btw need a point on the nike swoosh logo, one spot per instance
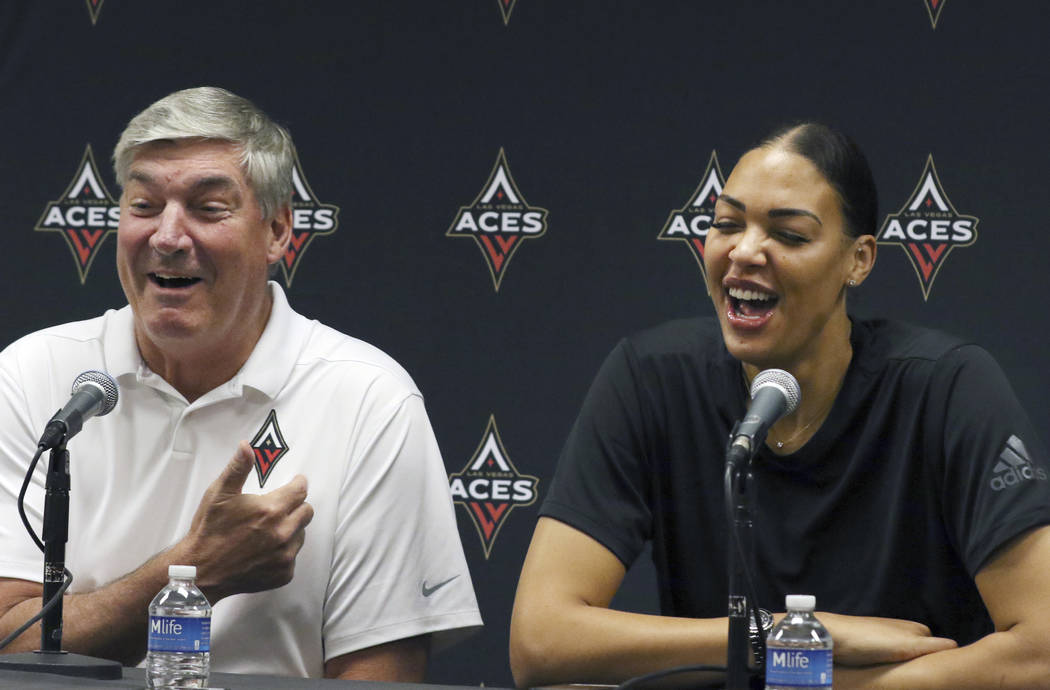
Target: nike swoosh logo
(427, 591)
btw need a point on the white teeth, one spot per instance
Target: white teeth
(171, 276)
(750, 295)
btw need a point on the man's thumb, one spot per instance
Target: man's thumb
(233, 476)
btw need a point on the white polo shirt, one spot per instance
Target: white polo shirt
(382, 559)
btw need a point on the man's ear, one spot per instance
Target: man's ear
(280, 234)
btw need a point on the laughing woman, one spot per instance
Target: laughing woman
(877, 494)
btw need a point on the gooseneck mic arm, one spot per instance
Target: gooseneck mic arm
(740, 548)
(55, 535)
(774, 393)
(94, 394)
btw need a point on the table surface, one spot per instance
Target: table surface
(136, 678)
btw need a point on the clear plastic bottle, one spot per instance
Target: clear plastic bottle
(799, 649)
(179, 650)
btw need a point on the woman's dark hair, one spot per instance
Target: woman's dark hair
(843, 165)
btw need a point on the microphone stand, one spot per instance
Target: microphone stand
(50, 658)
(738, 478)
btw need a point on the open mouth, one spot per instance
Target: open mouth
(168, 280)
(751, 304)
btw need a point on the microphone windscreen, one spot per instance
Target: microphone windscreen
(782, 380)
(103, 381)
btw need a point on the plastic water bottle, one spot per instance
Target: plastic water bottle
(799, 649)
(178, 654)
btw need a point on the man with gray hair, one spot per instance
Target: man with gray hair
(339, 555)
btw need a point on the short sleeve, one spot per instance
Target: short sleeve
(996, 481)
(601, 485)
(19, 556)
(398, 567)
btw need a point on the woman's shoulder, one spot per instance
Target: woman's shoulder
(888, 339)
(697, 336)
(881, 345)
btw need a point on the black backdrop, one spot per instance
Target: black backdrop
(608, 113)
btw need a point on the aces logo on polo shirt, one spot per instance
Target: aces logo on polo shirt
(490, 487)
(928, 228)
(691, 223)
(85, 215)
(269, 447)
(499, 220)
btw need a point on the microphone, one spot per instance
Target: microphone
(774, 393)
(94, 394)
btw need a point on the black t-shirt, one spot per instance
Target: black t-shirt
(925, 465)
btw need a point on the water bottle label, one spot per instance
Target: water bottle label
(804, 668)
(170, 634)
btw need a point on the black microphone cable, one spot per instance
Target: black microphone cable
(745, 567)
(57, 597)
(736, 543)
(788, 386)
(637, 681)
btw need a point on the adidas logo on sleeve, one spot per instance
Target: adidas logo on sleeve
(1015, 466)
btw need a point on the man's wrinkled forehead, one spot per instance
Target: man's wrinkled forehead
(204, 164)
(199, 147)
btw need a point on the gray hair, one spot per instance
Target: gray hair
(208, 112)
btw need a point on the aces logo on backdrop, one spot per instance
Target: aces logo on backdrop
(928, 228)
(934, 8)
(691, 223)
(94, 7)
(489, 487)
(85, 215)
(499, 220)
(310, 219)
(505, 8)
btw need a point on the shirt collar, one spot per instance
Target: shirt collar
(267, 369)
(274, 356)
(118, 341)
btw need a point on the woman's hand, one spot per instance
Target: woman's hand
(865, 641)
